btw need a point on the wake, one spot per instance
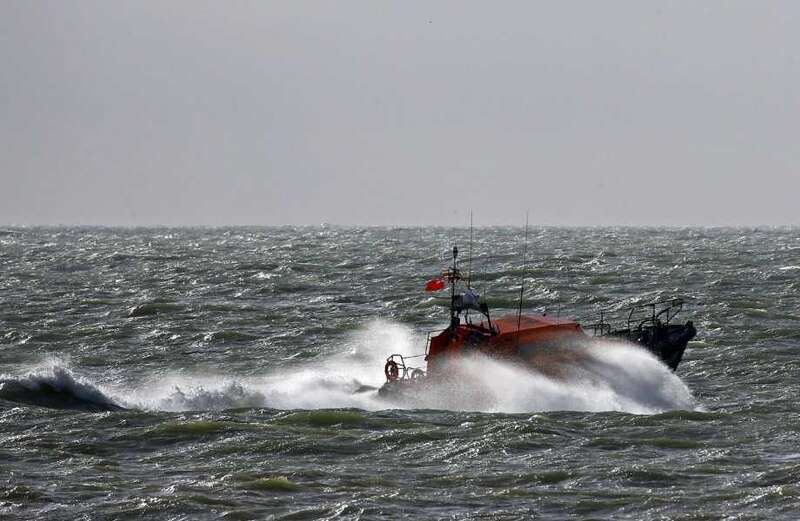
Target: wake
(606, 377)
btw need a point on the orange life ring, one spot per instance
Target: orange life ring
(391, 370)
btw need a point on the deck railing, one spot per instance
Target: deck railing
(639, 316)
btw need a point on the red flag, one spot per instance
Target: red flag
(434, 285)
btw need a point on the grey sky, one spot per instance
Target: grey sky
(586, 113)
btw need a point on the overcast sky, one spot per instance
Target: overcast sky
(266, 113)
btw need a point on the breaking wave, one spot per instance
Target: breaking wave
(606, 377)
(55, 387)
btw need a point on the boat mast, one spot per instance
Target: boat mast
(454, 277)
(469, 261)
(522, 283)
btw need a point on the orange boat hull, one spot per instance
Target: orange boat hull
(527, 338)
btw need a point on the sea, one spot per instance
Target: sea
(231, 373)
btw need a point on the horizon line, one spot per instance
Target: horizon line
(4, 227)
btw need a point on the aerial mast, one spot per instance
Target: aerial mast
(522, 283)
(469, 262)
(454, 276)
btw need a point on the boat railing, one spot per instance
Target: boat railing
(639, 316)
(601, 328)
(406, 371)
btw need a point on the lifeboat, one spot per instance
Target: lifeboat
(528, 340)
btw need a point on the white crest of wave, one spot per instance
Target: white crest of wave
(53, 384)
(611, 377)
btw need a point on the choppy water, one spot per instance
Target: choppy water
(237, 351)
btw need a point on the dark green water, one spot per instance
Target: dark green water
(237, 352)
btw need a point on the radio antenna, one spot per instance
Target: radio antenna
(522, 282)
(469, 260)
